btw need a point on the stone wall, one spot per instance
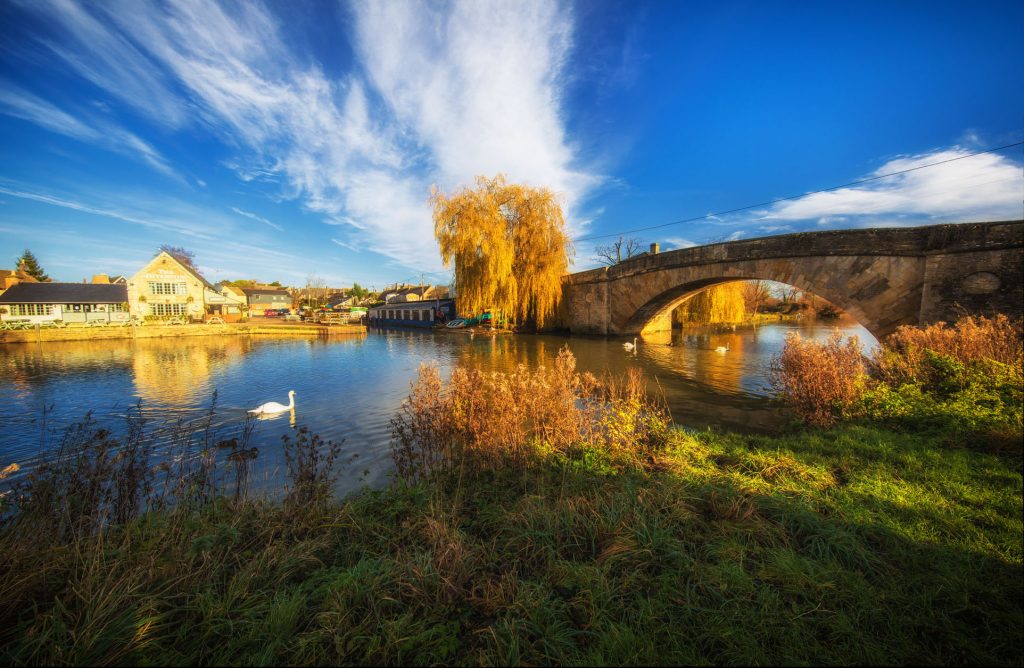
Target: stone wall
(883, 277)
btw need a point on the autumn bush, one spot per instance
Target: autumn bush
(820, 381)
(909, 353)
(484, 420)
(965, 380)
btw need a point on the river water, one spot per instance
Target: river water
(348, 388)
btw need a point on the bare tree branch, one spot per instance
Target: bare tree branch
(617, 251)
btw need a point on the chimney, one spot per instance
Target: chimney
(101, 279)
(654, 248)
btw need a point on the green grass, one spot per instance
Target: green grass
(850, 546)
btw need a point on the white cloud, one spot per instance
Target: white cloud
(345, 245)
(24, 105)
(108, 58)
(211, 234)
(974, 188)
(678, 242)
(261, 219)
(440, 94)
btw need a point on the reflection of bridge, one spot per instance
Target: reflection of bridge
(883, 277)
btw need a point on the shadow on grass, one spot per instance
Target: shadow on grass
(729, 550)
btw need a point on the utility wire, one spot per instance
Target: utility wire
(793, 197)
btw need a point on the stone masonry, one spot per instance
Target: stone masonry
(883, 277)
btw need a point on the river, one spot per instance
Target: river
(348, 388)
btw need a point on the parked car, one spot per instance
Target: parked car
(270, 313)
(284, 311)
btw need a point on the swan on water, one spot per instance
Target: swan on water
(722, 349)
(630, 346)
(274, 407)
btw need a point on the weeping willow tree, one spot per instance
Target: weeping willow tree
(508, 245)
(719, 304)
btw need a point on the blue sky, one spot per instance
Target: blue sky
(287, 139)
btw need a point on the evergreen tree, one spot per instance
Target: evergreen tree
(30, 264)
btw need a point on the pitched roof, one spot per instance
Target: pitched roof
(190, 270)
(65, 293)
(265, 291)
(17, 273)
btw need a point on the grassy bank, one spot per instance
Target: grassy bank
(548, 516)
(858, 545)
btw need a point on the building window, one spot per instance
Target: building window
(168, 288)
(31, 309)
(167, 309)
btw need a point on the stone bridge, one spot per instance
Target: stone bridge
(882, 277)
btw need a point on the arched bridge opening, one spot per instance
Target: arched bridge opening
(656, 314)
(883, 278)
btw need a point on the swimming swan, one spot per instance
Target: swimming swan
(722, 349)
(274, 407)
(629, 346)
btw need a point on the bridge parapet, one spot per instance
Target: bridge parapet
(884, 277)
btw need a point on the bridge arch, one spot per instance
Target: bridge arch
(850, 295)
(882, 277)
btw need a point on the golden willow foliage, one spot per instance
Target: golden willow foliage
(509, 247)
(719, 304)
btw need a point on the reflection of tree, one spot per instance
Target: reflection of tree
(723, 303)
(175, 371)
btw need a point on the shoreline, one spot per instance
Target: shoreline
(150, 331)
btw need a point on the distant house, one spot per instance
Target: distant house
(418, 294)
(103, 279)
(261, 299)
(64, 302)
(341, 299)
(232, 291)
(392, 293)
(9, 277)
(166, 287)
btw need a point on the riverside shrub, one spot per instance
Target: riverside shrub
(966, 380)
(820, 381)
(481, 420)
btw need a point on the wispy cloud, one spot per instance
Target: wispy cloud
(440, 94)
(213, 235)
(260, 219)
(345, 245)
(29, 107)
(678, 242)
(81, 36)
(978, 187)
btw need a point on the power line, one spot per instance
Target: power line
(793, 197)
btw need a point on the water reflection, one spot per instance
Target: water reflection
(348, 389)
(173, 372)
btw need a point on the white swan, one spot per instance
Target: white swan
(629, 346)
(722, 349)
(274, 407)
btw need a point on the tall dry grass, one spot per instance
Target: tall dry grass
(905, 354)
(819, 381)
(823, 382)
(481, 420)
